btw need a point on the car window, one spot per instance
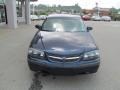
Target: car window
(64, 25)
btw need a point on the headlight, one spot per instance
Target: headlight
(35, 53)
(91, 55)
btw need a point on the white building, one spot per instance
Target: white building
(15, 11)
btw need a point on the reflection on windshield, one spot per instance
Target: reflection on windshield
(58, 27)
(63, 25)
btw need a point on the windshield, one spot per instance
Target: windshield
(63, 25)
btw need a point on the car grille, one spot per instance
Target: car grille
(62, 58)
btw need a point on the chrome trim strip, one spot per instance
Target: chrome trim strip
(63, 57)
(55, 57)
(73, 58)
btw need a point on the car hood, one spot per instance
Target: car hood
(66, 42)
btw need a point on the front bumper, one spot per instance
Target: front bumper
(75, 67)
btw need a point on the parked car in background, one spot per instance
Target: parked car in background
(34, 17)
(63, 45)
(42, 17)
(106, 18)
(96, 18)
(86, 17)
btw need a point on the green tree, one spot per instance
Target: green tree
(114, 14)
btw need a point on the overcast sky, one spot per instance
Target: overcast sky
(83, 3)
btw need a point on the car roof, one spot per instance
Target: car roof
(63, 16)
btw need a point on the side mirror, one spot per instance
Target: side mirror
(38, 27)
(89, 28)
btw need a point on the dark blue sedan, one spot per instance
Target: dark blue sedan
(63, 45)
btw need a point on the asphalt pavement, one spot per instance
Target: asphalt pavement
(15, 74)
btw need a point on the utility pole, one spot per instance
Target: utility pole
(97, 9)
